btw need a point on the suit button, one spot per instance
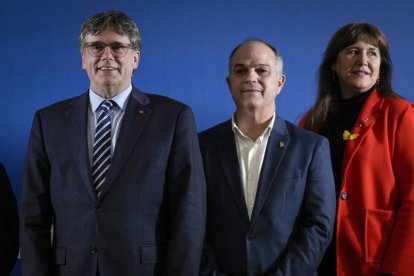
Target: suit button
(344, 195)
(94, 250)
(98, 210)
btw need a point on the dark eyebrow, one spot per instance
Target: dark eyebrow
(263, 65)
(358, 48)
(103, 43)
(351, 48)
(93, 43)
(374, 48)
(239, 65)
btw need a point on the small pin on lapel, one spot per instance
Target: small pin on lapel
(281, 144)
(141, 112)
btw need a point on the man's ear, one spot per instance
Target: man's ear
(137, 56)
(280, 82)
(83, 59)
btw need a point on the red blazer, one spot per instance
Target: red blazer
(375, 219)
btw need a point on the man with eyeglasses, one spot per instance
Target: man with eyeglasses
(115, 173)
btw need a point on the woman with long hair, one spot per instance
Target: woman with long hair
(370, 129)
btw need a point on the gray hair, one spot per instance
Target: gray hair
(279, 59)
(117, 20)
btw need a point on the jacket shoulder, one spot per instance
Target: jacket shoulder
(156, 99)
(216, 130)
(64, 104)
(301, 133)
(397, 104)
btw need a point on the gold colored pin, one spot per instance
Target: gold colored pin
(349, 136)
(281, 144)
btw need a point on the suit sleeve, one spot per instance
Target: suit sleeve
(316, 228)
(9, 225)
(186, 199)
(400, 253)
(36, 211)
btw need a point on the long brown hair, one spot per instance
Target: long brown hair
(329, 90)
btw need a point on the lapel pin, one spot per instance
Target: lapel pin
(141, 112)
(349, 136)
(281, 144)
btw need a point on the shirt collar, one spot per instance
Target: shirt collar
(120, 99)
(238, 132)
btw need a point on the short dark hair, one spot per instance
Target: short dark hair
(117, 20)
(279, 59)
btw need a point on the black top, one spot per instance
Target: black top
(343, 117)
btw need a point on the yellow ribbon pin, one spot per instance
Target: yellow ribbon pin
(349, 136)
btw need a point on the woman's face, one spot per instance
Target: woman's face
(357, 67)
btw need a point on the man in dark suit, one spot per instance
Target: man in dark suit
(139, 210)
(9, 225)
(270, 189)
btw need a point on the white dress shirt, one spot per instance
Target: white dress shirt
(250, 155)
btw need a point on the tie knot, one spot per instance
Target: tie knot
(107, 105)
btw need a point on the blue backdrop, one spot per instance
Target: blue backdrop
(185, 52)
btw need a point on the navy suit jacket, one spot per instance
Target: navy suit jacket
(292, 220)
(9, 225)
(150, 216)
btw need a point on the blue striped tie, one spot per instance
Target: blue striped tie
(102, 146)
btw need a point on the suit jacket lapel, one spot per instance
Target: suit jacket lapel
(135, 118)
(276, 147)
(229, 161)
(77, 124)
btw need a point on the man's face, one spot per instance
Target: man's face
(254, 79)
(107, 73)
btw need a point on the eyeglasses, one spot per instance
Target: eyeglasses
(118, 49)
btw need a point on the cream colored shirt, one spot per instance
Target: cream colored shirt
(250, 155)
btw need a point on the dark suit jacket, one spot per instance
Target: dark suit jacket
(9, 225)
(150, 217)
(292, 220)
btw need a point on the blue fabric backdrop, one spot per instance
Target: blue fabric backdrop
(185, 52)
